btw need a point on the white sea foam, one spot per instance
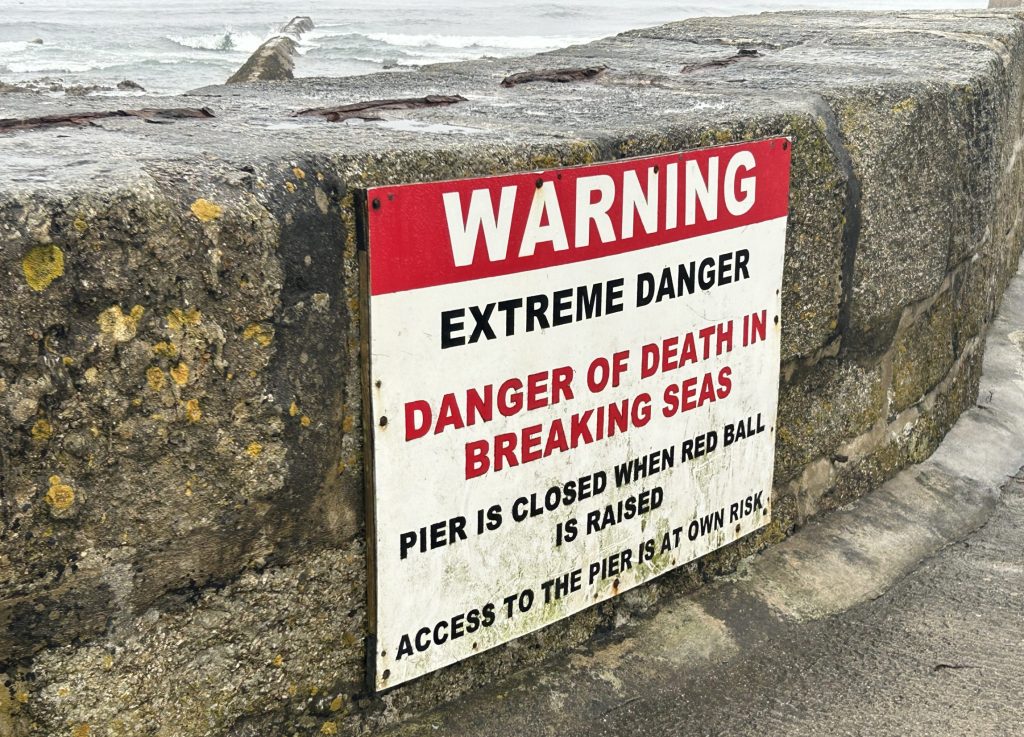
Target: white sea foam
(418, 40)
(226, 40)
(53, 67)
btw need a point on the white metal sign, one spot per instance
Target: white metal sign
(573, 387)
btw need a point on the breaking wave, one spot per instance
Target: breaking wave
(227, 40)
(525, 43)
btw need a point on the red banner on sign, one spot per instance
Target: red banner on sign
(424, 235)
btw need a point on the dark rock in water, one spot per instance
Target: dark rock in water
(391, 63)
(5, 88)
(38, 41)
(271, 62)
(83, 90)
(127, 84)
(298, 25)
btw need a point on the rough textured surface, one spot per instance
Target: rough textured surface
(273, 61)
(180, 440)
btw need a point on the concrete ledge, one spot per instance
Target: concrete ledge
(180, 443)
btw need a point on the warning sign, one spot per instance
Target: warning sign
(573, 380)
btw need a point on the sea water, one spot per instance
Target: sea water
(170, 46)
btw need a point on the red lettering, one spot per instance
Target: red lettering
(725, 381)
(478, 462)
(449, 416)
(505, 450)
(417, 419)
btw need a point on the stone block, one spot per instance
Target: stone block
(825, 406)
(923, 354)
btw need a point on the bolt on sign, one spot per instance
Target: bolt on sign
(572, 385)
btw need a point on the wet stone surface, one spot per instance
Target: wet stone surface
(180, 433)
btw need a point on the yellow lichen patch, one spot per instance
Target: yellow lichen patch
(289, 186)
(119, 326)
(180, 374)
(254, 449)
(165, 348)
(41, 430)
(299, 174)
(348, 423)
(337, 703)
(155, 378)
(80, 225)
(21, 696)
(108, 662)
(329, 728)
(319, 176)
(60, 496)
(192, 411)
(293, 690)
(91, 375)
(205, 210)
(42, 264)
(305, 421)
(82, 730)
(264, 336)
(68, 361)
(293, 410)
(278, 661)
(907, 105)
(180, 319)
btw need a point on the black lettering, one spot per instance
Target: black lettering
(562, 301)
(404, 647)
(536, 307)
(451, 323)
(644, 289)
(509, 307)
(483, 324)
(742, 259)
(613, 300)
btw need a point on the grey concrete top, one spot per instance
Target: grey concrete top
(801, 56)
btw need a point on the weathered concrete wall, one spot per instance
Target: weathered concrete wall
(181, 523)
